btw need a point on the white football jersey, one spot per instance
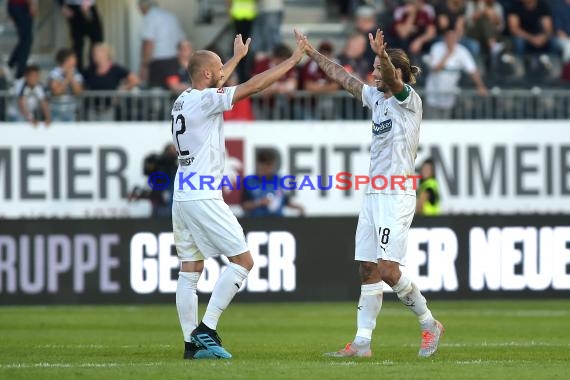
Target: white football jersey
(395, 137)
(197, 131)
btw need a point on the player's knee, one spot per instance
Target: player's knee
(390, 273)
(244, 260)
(192, 266)
(369, 272)
(248, 263)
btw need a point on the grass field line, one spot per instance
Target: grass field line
(458, 362)
(157, 364)
(498, 313)
(500, 344)
(97, 346)
(351, 363)
(443, 344)
(490, 362)
(77, 365)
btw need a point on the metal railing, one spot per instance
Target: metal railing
(153, 105)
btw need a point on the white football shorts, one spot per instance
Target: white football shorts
(206, 228)
(383, 225)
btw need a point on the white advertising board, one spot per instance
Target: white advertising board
(87, 169)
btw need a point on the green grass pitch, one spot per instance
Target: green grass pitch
(484, 340)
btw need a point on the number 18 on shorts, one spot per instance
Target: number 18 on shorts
(383, 225)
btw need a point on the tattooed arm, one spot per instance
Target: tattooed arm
(338, 74)
(333, 70)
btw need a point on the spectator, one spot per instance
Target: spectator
(160, 199)
(345, 8)
(530, 25)
(315, 81)
(561, 12)
(84, 21)
(64, 82)
(275, 97)
(262, 196)
(267, 25)
(354, 61)
(447, 59)
(413, 28)
(105, 75)
(243, 14)
(161, 35)
(485, 23)
(31, 98)
(451, 15)
(178, 79)
(22, 13)
(353, 57)
(366, 23)
(429, 199)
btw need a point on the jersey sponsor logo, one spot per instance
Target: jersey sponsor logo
(221, 90)
(383, 127)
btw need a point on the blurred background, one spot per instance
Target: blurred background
(86, 88)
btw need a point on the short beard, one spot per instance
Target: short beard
(382, 88)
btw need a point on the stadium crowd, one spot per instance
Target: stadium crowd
(506, 43)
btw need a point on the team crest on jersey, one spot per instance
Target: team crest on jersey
(383, 127)
(220, 90)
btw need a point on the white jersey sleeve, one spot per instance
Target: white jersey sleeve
(217, 100)
(371, 95)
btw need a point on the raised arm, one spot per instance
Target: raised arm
(261, 81)
(240, 51)
(390, 75)
(333, 70)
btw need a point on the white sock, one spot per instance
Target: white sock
(410, 296)
(187, 302)
(226, 288)
(369, 306)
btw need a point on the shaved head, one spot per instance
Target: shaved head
(202, 61)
